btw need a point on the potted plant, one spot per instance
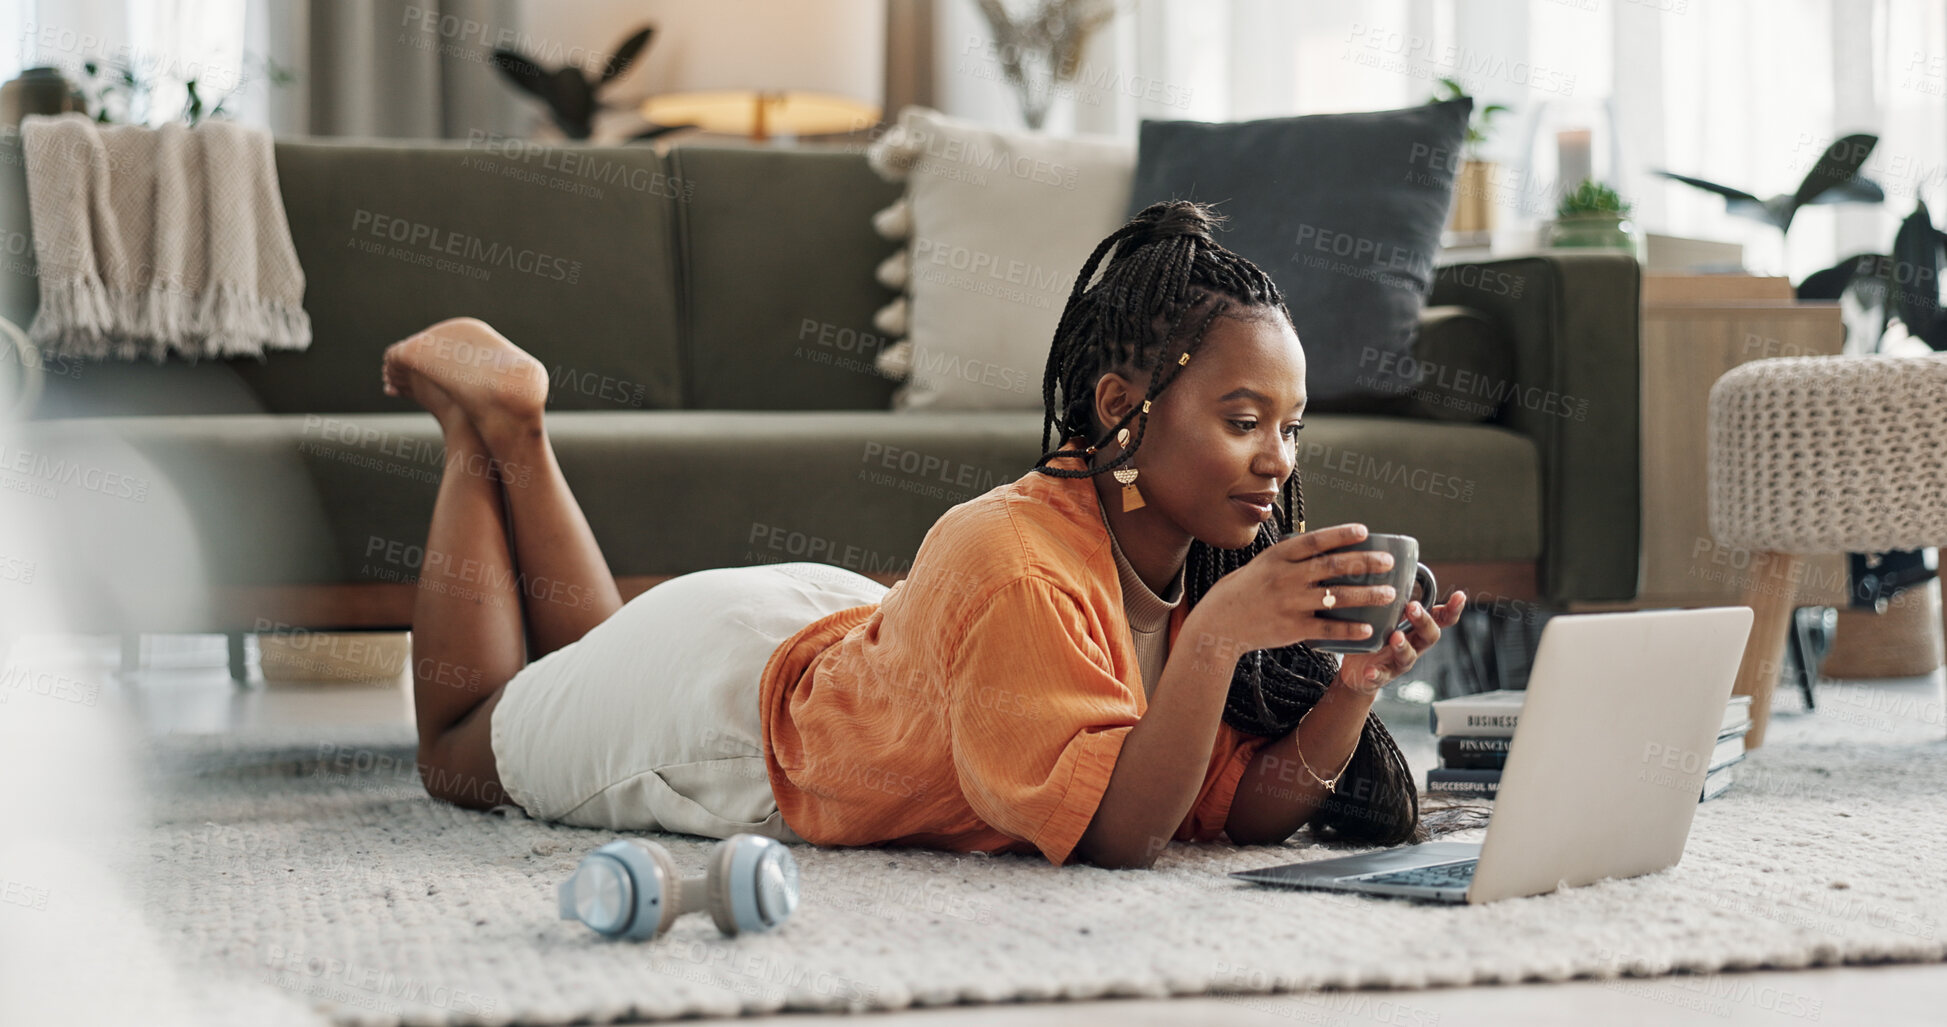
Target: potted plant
(1593, 215)
(120, 91)
(1041, 49)
(1473, 210)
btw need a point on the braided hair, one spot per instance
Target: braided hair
(1166, 281)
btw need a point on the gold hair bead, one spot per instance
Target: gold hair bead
(1145, 406)
(1184, 359)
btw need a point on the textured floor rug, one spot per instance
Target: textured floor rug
(317, 877)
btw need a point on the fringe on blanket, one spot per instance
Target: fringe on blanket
(191, 255)
(78, 318)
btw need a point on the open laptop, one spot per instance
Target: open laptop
(1602, 776)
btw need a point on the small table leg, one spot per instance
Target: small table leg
(1771, 595)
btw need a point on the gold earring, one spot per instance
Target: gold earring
(1132, 499)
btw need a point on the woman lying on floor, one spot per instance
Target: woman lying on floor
(1059, 673)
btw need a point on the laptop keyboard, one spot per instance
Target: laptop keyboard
(1444, 875)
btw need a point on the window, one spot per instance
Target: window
(165, 43)
(1747, 93)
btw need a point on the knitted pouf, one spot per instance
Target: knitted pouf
(1830, 454)
(1814, 455)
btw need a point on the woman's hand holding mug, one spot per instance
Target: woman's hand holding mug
(1284, 595)
(1275, 600)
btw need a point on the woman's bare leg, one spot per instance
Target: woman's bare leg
(466, 614)
(565, 583)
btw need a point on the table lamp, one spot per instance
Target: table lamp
(764, 68)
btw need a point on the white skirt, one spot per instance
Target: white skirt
(650, 721)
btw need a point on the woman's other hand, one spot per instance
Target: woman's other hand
(1366, 673)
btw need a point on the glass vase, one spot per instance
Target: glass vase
(1597, 231)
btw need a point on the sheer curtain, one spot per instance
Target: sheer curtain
(411, 68)
(389, 68)
(165, 42)
(1743, 92)
(14, 18)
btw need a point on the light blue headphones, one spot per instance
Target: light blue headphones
(630, 888)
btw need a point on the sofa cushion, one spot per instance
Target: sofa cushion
(1343, 211)
(567, 251)
(1001, 223)
(348, 498)
(779, 252)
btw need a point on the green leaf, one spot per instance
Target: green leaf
(1591, 197)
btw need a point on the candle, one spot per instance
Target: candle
(1572, 158)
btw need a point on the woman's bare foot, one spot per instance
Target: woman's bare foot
(500, 388)
(401, 380)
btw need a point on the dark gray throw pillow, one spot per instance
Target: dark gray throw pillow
(1344, 211)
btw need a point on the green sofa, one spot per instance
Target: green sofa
(706, 317)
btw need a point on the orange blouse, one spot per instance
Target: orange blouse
(981, 704)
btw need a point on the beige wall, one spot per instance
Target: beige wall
(719, 44)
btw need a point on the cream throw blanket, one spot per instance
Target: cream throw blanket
(158, 240)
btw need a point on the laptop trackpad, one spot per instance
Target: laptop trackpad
(1401, 858)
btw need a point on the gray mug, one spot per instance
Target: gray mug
(1407, 570)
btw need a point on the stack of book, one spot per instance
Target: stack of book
(1474, 732)
(1730, 747)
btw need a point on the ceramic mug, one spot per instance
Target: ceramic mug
(1407, 570)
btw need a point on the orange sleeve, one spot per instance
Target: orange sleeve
(1036, 717)
(1230, 757)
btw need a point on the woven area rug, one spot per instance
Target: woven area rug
(290, 875)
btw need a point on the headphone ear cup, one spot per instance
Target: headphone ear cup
(753, 884)
(665, 893)
(722, 856)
